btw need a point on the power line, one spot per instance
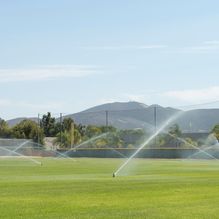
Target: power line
(198, 104)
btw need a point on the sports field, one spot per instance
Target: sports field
(84, 188)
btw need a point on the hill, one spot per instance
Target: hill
(131, 115)
(126, 115)
(13, 122)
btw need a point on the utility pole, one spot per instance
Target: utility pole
(155, 119)
(61, 129)
(107, 118)
(72, 134)
(38, 133)
(155, 123)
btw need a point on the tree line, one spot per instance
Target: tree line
(68, 134)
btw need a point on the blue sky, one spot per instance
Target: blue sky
(65, 56)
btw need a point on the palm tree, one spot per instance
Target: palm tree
(67, 139)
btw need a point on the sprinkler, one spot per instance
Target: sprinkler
(114, 175)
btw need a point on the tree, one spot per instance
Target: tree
(81, 129)
(28, 129)
(48, 123)
(64, 139)
(5, 131)
(175, 130)
(170, 138)
(215, 131)
(189, 143)
(67, 124)
(92, 131)
(132, 137)
(105, 129)
(114, 140)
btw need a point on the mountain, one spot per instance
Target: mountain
(199, 120)
(13, 122)
(130, 115)
(116, 106)
(126, 115)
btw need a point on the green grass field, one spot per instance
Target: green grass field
(84, 188)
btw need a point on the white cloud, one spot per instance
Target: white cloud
(194, 95)
(46, 73)
(135, 97)
(48, 106)
(4, 102)
(212, 42)
(108, 100)
(124, 98)
(126, 47)
(204, 47)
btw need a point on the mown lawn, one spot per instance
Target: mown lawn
(84, 188)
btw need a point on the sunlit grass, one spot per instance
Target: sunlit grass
(84, 188)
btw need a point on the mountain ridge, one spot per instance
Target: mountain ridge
(130, 115)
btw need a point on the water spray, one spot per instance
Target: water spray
(152, 137)
(20, 146)
(21, 155)
(193, 146)
(90, 140)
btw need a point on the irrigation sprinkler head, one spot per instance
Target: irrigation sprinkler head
(114, 175)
